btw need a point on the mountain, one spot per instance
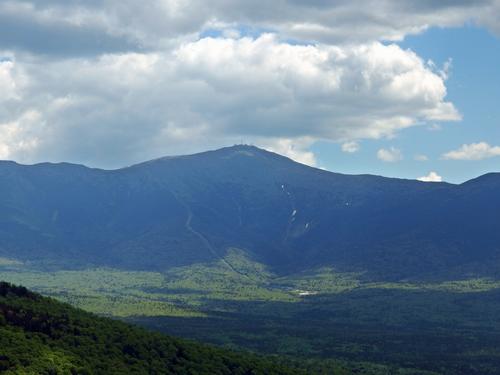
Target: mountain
(41, 336)
(246, 249)
(179, 211)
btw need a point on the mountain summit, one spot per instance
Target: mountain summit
(177, 211)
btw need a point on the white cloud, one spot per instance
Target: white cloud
(431, 177)
(350, 147)
(445, 71)
(115, 82)
(473, 151)
(390, 155)
(421, 157)
(11, 81)
(294, 149)
(122, 108)
(16, 136)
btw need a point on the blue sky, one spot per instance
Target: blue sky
(474, 88)
(332, 84)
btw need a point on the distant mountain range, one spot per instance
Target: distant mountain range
(178, 211)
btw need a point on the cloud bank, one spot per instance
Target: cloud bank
(108, 83)
(112, 25)
(216, 89)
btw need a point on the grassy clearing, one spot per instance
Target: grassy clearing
(103, 291)
(186, 291)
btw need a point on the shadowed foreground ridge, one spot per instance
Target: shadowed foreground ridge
(41, 336)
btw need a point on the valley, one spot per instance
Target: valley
(342, 322)
(248, 250)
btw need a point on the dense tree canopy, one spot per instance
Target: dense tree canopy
(41, 336)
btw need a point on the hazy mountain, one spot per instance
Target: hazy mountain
(189, 209)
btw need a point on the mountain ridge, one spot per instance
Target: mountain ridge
(240, 148)
(177, 211)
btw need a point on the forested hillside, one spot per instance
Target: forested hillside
(41, 336)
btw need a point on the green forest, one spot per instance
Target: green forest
(39, 335)
(322, 321)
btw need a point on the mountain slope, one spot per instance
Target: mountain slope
(41, 336)
(184, 210)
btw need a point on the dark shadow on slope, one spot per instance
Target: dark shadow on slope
(450, 333)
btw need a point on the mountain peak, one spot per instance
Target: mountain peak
(244, 149)
(249, 152)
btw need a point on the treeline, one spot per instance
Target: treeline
(39, 335)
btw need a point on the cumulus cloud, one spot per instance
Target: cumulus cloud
(119, 108)
(109, 82)
(350, 147)
(16, 137)
(431, 177)
(390, 155)
(473, 151)
(294, 149)
(11, 81)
